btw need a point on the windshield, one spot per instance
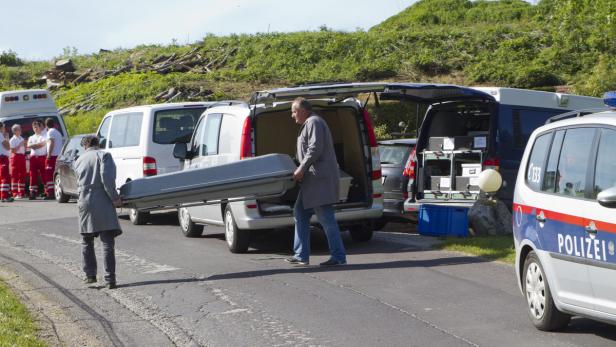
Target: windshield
(26, 125)
(394, 154)
(175, 126)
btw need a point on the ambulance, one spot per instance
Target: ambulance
(24, 106)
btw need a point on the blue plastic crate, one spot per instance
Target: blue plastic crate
(439, 220)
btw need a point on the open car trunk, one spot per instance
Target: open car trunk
(276, 132)
(454, 142)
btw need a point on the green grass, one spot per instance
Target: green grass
(16, 325)
(490, 247)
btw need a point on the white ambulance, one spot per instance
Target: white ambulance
(24, 106)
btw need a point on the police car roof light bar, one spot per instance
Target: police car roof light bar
(609, 98)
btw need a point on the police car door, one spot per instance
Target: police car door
(558, 207)
(601, 227)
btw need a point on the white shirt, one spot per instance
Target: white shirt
(3, 151)
(36, 139)
(54, 134)
(16, 141)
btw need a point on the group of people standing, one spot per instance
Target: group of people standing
(44, 145)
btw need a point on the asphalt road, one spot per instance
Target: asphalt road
(188, 292)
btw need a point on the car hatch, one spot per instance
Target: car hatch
(342, 90)
(432, 93)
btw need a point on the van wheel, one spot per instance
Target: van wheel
(361, 233)
(542, 311)
(59, 194)
(237, 240)
(138, 217)
(189, 228)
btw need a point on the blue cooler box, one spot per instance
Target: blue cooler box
(439, 220)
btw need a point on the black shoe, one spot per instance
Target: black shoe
(296, 261)
(111, 285)
(332, 262)
(90, 279)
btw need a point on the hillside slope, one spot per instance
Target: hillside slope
(565, 44)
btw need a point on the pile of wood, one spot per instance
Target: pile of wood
(194, 61)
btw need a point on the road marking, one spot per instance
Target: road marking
(146, 266)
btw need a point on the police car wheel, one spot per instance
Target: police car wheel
(189, 228)
(542, 310)
(59, 195)
(138, 217)
(238, 240)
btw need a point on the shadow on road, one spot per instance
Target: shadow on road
(351, 267)
(146, 283)
(581, 325)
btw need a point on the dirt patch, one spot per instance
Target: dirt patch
(55, 327)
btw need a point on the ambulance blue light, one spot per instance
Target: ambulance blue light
(609, 98)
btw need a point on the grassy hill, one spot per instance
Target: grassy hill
(568, 44)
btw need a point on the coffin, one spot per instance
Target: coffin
(265, 176)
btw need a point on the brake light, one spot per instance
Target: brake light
(377, 174)
(149, 166)
(246, 140)
(491, 163)
(411, 164)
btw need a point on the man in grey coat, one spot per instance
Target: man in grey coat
(319, 179)
(96, 174)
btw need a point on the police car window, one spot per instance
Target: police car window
(534, 169)
(549, 177)
(605, 172)
(573, 162)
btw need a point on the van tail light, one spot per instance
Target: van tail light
(491, 163)
(149, 166)
(246, 140)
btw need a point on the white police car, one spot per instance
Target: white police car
(564, 218)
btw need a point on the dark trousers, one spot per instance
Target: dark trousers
(89, 256)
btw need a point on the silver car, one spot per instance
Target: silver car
(565, 219)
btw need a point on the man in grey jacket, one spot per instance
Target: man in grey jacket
(319, 179)
(96, 174)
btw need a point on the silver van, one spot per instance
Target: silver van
(225, 134)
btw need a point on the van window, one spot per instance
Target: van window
(229, 132)
(198, 138)
(534, 170)
(573, 162)
(26, 125)
(210, 134)
(605, 172)
(524, 123)
(103, 132)
(125, 130)
(175, 126)
(74, 146)
(549, 179)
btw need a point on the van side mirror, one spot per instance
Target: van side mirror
(180, 151)
(103, 143)
(607, 198)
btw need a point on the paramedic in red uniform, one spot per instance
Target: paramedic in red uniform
(54, 146)
(5, 179)
(38, 152)
(18, 163)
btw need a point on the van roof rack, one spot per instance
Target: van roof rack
(574, 114)
(228, 103)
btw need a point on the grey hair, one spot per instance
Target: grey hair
(303, 103)
(15, 126)
(89, 141)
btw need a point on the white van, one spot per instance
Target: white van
(141, 140)
(24, 106)
(230, 133)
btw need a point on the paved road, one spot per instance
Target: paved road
(188, 292)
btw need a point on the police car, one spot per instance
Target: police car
(564, 218)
